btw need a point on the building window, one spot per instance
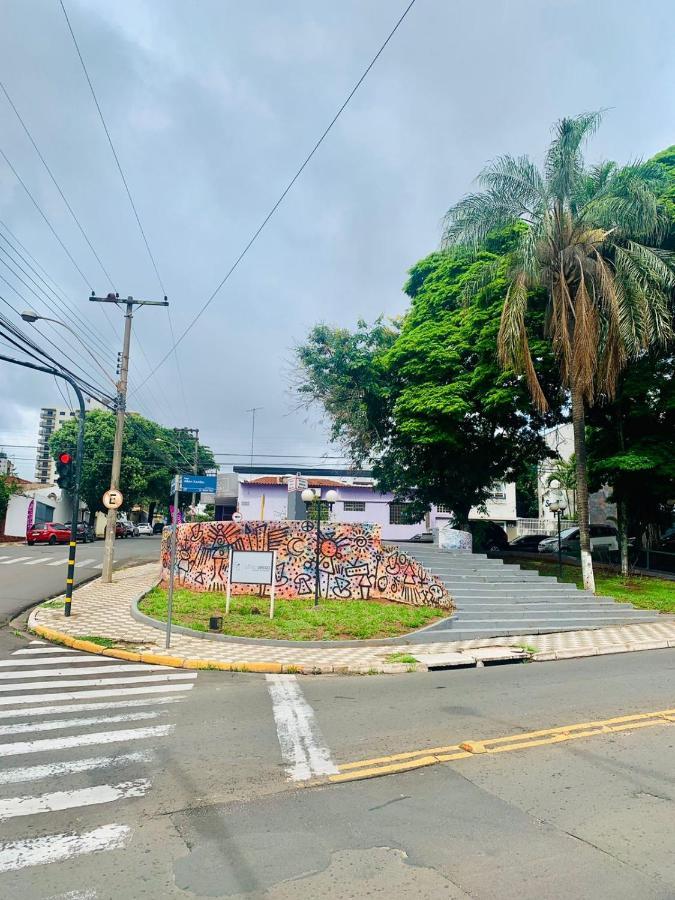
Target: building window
(398, 514)
(443, 508)
(354, 506)
(498, 491)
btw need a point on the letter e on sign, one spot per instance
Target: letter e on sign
(113, 499)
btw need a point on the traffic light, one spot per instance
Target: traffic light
(65, 472)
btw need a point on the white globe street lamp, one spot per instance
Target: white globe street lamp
(311, 496)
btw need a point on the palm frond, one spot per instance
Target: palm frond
(517, 181)
(564, 163)
(512, 342)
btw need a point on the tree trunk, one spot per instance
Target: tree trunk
(622, 522)
(151, 511)
(579, 425)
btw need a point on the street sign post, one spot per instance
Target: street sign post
(252, 567)
(237, 517)
(113, 499)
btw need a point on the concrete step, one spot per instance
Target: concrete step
(631, 615)
(477, 633)
(492, 590)
(535, 605)
(453, 578)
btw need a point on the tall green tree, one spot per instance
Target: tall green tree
(424, 399)
(589, 242)
(151, 455)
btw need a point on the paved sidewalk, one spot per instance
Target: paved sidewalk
(104, 611)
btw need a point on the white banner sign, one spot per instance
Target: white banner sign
(252, 567)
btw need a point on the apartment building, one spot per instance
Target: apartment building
(51, 419)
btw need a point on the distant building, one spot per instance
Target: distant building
(266, 497)
(6, 465)
(51, 419)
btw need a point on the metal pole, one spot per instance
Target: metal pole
(318, 550)
(195, 467)
(109, 548)
(70, 577)
(172, 562)
(559, 548)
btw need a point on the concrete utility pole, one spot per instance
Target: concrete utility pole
(253, 411)
(195, 464)
(120, 407)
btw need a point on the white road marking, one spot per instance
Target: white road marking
(91, 682)
(85, 695)
(59, 800)
(39, 642)
(41, 559)
(110, 666)
(55, 725)
(15, 559)
(79, 707)
(75, 895)
(57, 847)
(57, 562)
(58, 661)
(18, 748)
(72, 767)
(302, 744)
(35, 650)
(84, 562)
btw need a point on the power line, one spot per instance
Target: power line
(288, 187)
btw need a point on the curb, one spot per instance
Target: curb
(179, 662)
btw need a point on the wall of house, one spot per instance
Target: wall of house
(353, 561)
(59, 509)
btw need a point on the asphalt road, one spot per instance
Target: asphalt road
(206, 794)
(30, 574)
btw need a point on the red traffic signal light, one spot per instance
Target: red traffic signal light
(65, 458)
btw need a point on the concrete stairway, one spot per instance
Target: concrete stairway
(494, 599)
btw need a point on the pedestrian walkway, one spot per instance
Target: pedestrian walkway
(76, 730)
(498, 600)
(104, 610)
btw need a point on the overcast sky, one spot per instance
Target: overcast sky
(213, 104)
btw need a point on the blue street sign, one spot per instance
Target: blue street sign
(198, 483)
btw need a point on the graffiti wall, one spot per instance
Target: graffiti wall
(353, 561)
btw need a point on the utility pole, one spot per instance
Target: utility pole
(195, 465)
(253, 411)
(120, 407)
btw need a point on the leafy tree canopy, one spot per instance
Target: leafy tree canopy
(151, 454)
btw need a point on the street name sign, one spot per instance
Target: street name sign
(199, 483)
(113, 499)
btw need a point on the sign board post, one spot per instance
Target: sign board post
(176, 486)
(251, 567)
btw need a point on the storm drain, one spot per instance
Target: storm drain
(480, 656)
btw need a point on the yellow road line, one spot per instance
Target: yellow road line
(418, 759)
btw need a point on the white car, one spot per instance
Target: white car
(602, 537)
(144, 528)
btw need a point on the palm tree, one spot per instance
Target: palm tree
(586, 239)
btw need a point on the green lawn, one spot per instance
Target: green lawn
(294, 620)
(640, 590)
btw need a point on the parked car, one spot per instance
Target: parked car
(120, 530)
(85, 532)
(47, 533)
(158, 527)
(528, 543)
(425, 537)
(130, 529)
(667, 542)
(603, 537)
(144, 528)
(488, 537)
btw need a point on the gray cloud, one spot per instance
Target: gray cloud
(213, 104)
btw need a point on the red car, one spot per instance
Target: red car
(48, 533)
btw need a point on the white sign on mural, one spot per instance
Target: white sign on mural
(252, 567)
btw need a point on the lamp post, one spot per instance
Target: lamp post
(558, 506)
(311, 496)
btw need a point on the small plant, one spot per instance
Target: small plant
(528, 648)
(401, 658)
(95, 639)
(53, 604)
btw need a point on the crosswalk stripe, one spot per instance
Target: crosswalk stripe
(15, 559)
(41, 559)
(59, 800)
(43, 643)
(92, 682)
(85, 562)
(72, 767)
(55, 725)
(19, 748)
(35, 650)
(111, 666)
(85, 695)
(57, 562)
(79, 707)
(58, 847)
(51, 661)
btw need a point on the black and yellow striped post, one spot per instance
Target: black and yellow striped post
(72, 547)
(70, 578)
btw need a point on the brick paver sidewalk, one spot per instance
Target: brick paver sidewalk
(104, 611)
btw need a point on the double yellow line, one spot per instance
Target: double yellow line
(418, 759)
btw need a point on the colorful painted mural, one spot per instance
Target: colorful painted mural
(353, 561)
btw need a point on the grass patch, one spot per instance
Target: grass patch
(294, 620)
(527, 648)
(642, 591)
(53, 604)
(95, 639)
(401, 658)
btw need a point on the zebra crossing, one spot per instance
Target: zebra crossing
(53, 561)
(69, 741)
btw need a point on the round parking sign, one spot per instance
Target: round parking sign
(113, 499)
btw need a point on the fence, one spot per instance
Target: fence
(541, 526)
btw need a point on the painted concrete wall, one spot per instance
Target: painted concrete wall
(17, 509)
(353, 561)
